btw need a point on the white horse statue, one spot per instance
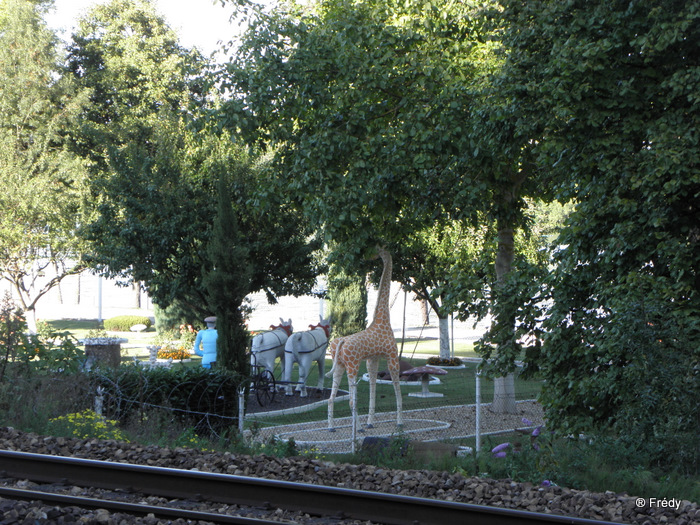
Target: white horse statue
(268, 346)
(305, 348)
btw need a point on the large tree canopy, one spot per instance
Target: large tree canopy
(157, 167)
(616, 86)
(385, 129)
(364, 101)
(43, 184)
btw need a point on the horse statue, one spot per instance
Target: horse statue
(268, 346)
(305, 348)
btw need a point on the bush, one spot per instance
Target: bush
(348, 303)
(123, 323)
(205, 399)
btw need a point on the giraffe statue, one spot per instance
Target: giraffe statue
(370, 344)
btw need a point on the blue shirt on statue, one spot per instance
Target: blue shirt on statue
(207, 338)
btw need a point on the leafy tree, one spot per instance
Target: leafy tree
(43, 183)
(129, 57)
(361, 98)
(616, 86)
(388, 125)
(157, 165)
(428, 260)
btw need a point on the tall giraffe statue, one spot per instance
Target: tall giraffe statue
(371, 344)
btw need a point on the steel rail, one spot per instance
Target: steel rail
(127, 508)
(390, 509)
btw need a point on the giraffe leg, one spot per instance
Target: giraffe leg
(395, 370)
(352, 381)
(338, 370)
(372, 368)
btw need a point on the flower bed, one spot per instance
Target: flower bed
(445, 362)
(174, 353)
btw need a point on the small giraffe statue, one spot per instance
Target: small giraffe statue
(371, 344)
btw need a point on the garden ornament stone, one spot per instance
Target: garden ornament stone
(424, 372)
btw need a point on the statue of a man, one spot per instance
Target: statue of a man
(207, 339)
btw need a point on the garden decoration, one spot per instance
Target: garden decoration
(267, 347)
(102, 349)
(370, 344)
(305, 348)
(207, 338)
(424, 372)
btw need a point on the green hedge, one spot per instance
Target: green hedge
(206, 399)
(123, 323)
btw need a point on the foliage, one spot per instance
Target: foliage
(392, 452)
(205, 399)
(156, 167)
(227, 283)
(347, 294)
(85, 425)
(362, 99)
(43, 183)
(187, 335)
(190, 439)
(123, 323)
(440, 361)
(12, 338)
(597, 464)
(615, 86)
(25, 354)
(388, 130)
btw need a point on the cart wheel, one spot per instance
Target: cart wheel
(265, 389)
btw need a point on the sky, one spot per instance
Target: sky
(199, 23)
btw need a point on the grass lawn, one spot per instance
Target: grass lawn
(431, 346)
(137, 341)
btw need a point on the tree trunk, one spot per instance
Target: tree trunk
(424, 312)
(30, 317)
(444, 324)
(504, 387)
(136, 287)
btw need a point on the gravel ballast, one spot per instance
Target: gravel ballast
(421, 483)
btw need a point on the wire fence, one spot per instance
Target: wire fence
(454, 405)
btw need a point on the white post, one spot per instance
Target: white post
(478, 412)
(99, 298)
(321, 291)
(353, 416)
(241, 408)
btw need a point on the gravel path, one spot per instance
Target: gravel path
(434, 424)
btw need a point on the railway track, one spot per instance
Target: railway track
(335, 504)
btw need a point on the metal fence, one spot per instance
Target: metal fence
(455, 407)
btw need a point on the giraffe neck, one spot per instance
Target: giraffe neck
(381, 310)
